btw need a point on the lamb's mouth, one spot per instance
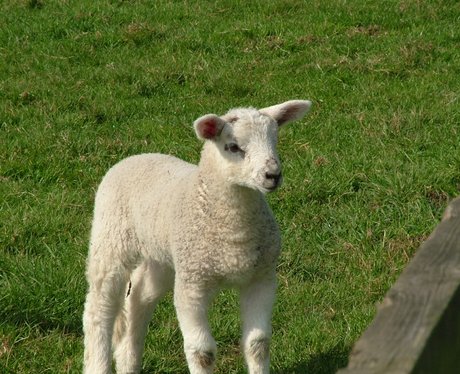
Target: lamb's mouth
(269, 189)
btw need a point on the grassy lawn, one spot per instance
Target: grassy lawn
(368, 173)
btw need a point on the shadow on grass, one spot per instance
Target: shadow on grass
(67, 323)
(328, 362)
(323, 363)
(49, 326)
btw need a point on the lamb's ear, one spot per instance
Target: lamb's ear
(209, 126)
(287, 112)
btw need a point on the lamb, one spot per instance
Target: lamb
(161, 223)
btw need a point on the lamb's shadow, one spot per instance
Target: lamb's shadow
(323, 363)
(42, 321)
(60, 311)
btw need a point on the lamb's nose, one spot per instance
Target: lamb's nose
(275, 177)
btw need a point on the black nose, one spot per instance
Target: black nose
(274, 177)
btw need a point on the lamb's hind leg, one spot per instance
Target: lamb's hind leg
(104, 299)
(256, 306)
(149, 282)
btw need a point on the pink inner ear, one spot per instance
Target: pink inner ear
(288, 114)
(208, 129)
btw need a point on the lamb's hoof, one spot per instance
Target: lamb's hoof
(205, 359)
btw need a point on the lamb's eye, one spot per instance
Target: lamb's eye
(232, 147)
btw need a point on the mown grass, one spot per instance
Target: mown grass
(367, 175)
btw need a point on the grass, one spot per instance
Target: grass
(367, 174)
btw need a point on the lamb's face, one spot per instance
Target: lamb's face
(246, 142)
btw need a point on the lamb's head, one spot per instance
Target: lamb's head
(243, 142)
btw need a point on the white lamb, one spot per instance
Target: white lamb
(162, 223)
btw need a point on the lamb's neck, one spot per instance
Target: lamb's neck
(241, 212)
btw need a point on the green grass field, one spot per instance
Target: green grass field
(367, 173)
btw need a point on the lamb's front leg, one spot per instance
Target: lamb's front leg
(192, 304)
(257, 301)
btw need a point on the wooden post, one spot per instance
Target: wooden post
(417, 326)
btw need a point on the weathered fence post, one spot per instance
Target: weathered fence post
(417, 326)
